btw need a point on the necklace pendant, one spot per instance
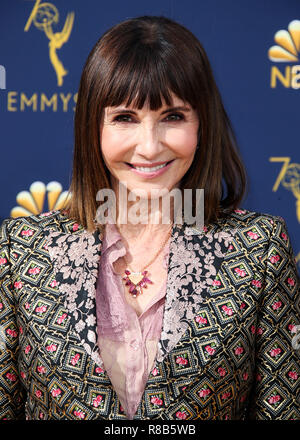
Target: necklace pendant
(135, 281)
(135, 277)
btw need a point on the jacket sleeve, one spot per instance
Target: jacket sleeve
(11, 394)
(276, 390)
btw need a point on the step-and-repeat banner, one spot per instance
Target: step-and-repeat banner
(254, 49)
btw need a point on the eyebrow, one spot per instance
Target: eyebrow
(168, 110)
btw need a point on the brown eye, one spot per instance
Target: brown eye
(175, 117)
(123, 118)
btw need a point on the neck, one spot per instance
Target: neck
(144, 217)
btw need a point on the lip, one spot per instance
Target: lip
(154, 173)
(154, 164)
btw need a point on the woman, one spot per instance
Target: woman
(149, 320)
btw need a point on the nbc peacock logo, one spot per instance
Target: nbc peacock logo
(286, 51)
(33, 201)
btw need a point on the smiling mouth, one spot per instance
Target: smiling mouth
(150, 169)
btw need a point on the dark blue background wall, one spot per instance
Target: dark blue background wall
(36, 140)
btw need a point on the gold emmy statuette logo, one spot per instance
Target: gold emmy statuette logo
(42, 16)
(289, 177)
(32, 201)
(286, 51)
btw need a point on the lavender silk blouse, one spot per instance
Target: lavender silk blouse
(127, 342)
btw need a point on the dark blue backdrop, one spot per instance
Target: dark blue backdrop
(37, 139)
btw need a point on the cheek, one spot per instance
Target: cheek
(185, 142)
(111, 143)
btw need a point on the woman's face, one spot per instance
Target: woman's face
(132, 138)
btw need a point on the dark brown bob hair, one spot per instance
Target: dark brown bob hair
(140, 61)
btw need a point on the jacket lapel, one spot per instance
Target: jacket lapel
(194, 260)
(75, 257)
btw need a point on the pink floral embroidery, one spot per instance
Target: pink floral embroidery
(27, 232)
(11, 376)
(253, 235)
(61, 318)
(51, 348)
(292, 328)
(12, 333)
(97, 401)
(34, 270)
(226, 396)
(284, 236)
(274, 259)
(240, 272)
(291, 281)
(2, 261)
(53, 283)
(99, 370)
(256, 283)
(274, 399)
(38, 393)
(201, 320)
(245, 375)
(227, 310)
(222, 372)
(210, 350)
(154, 372)
(27, 349)
(56, 392)
(181, 415)
(275, 352)
(41, 309)
(75, 359)
(204, 392)
(156, 401)
(79, 414)
(238, 351)
(293, 375)
(216, 283)
(18, 284)
(41, 369)
(181, 361)
(276, 305)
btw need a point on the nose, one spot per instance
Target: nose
(149, 143)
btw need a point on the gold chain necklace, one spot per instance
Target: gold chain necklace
(136, 281)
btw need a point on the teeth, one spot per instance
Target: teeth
(149, 170)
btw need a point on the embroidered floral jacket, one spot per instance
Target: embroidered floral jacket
(231, 312)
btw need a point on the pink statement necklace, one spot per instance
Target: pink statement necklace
(136, 281)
